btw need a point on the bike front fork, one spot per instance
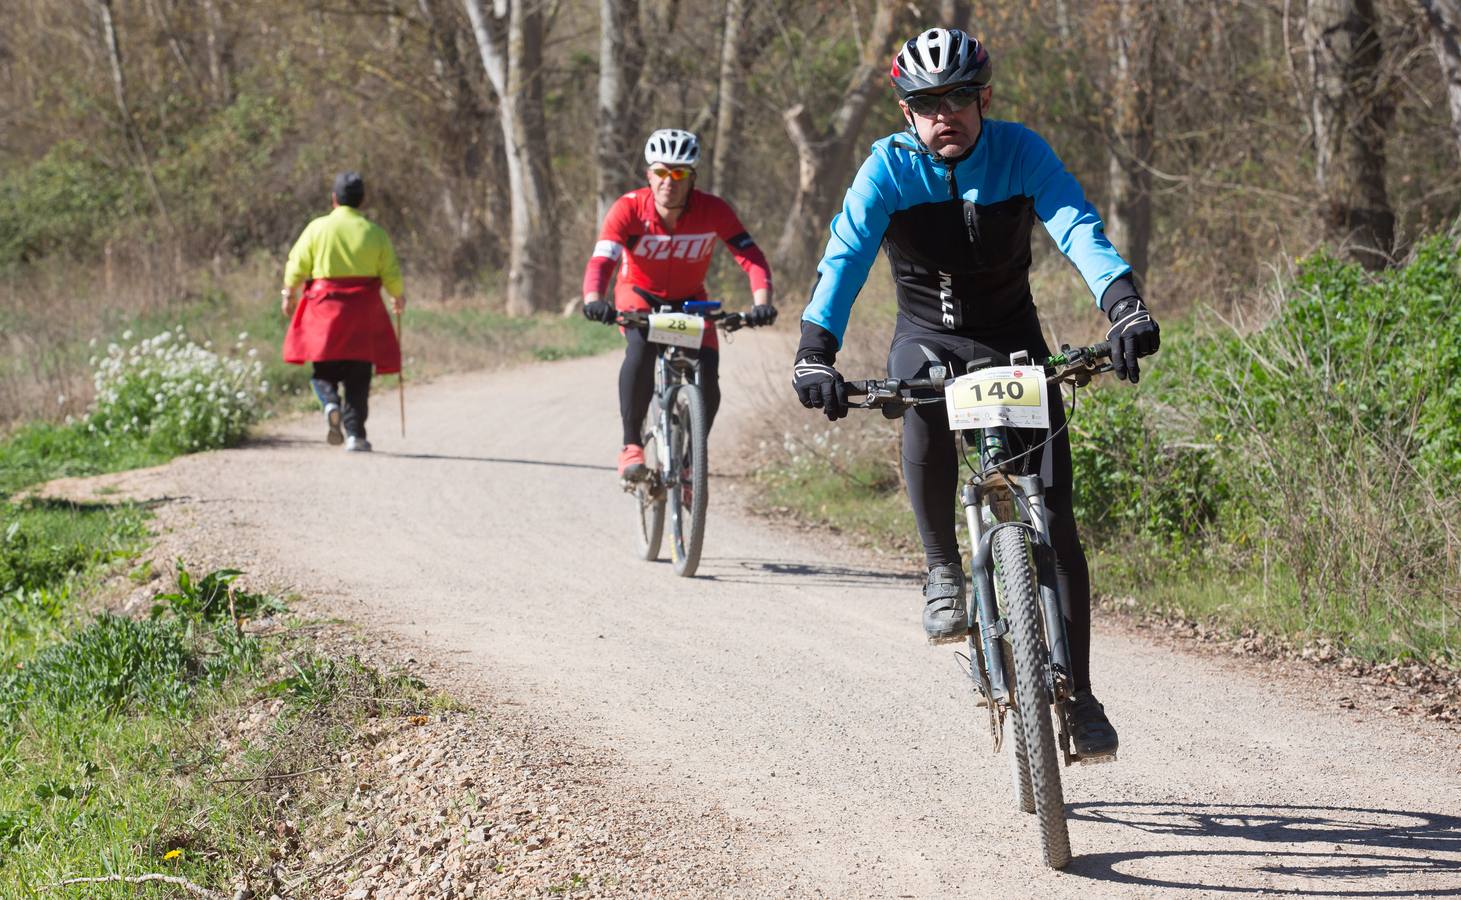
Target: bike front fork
(986, 625)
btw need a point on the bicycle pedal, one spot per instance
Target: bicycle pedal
(1096, 760)
(948, 639)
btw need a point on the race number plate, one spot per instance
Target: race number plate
(1011, 396)
(677, 329)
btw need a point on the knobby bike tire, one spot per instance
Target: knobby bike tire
(689, 479)
(649, 500)
(1015, 577)
(1016, 751)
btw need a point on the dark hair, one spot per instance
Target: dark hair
(349, 189)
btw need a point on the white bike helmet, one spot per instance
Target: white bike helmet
(939, 57)
(672, 147)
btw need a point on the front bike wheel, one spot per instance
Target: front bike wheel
(687, 482)
(1015, 583)
(649, 496)
(1016, 753)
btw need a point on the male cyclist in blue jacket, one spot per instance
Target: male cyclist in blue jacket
(953, 201)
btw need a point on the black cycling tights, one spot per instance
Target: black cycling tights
(931, 469)
(636, 383)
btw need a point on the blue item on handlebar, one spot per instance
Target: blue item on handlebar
(700, 307)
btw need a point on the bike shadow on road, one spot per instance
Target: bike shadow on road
(496, 460)
(774, 571)
(1349, 838)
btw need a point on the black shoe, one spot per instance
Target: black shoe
(943, 604)
(1090, 730)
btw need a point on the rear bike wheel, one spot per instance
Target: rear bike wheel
(649, 495)
(1015, 584)
(687, 481)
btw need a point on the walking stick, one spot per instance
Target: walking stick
(401, 375)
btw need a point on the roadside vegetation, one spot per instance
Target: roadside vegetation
(168, 740)
(59, 334)
(1298, 479)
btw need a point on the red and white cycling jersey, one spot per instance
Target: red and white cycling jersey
(669, 263)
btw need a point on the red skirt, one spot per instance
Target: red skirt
(343, 318)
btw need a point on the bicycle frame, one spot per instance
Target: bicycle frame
(994, 498)
(673, 369)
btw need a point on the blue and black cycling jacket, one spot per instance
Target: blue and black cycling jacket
(957, 235)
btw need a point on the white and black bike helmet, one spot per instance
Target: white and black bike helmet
(939, 57)
(672, 147)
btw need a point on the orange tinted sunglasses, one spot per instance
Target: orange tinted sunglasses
(679, 174)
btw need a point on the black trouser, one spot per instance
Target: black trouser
(931, 464)
(636, 383)
(355, 375)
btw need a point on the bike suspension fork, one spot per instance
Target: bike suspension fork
(987, 625)
(1056, 638)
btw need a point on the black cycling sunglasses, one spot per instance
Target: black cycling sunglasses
(955, 100)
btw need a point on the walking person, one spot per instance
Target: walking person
(340, 323)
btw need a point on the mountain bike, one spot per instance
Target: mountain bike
(675, 432)
(1019, 654)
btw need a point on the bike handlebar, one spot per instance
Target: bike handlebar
(729, 321)
(1073, 366)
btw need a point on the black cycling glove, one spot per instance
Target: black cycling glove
(764, 314)
(820, 386)
(1134, 334)
(600, 311)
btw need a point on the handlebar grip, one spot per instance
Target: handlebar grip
(1101, 350)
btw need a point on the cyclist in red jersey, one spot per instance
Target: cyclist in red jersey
(664, 235)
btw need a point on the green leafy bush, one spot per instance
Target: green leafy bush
(175, 396)
(213, 598)
(1317, 457)
(113, 665)
(1131, 480)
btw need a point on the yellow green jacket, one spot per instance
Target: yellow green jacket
(344, 244)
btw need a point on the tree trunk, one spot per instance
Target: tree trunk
(728, 100)
(825, 158)
(220, 53)
(621, 60)
(1350, 114)
(512, 63)
(119, 88)
(1131, 129)
(955, 14)
(1443, 20)
(476, 206)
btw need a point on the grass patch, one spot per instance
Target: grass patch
(42, 451)
(117, 755)
(462, 337)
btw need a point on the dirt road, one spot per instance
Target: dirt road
(789, 684)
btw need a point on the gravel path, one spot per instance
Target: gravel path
(788, 686)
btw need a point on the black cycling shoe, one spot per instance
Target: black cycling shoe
(1090, 731)
(943, 604)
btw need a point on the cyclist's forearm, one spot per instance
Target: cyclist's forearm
(761, 296)
(591, 296)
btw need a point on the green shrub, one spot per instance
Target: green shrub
(212, 598)
(1318, 456)
(111, 666)
(65, 203)
(1134, 481)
